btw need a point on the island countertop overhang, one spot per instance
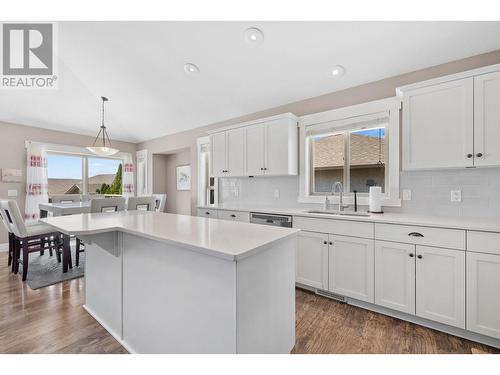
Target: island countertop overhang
(223, 239)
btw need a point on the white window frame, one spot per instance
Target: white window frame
(342, 117)
(57, 149)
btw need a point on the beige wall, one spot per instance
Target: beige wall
(164, 181)
(13, 153)
(372, 91)
(178, 202)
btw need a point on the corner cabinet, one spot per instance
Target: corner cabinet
(453, 121)
(267, 147)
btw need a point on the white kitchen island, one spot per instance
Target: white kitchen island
(164, 283)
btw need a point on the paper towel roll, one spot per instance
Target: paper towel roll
(375, 199)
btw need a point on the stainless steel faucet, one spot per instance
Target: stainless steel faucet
(338, 186)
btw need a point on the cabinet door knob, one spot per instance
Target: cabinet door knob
(207, 213)
(325, 242)
(233, 215)
(331, 243)
(419, 256)
(469, 156)
(479, 155)
(411, 255)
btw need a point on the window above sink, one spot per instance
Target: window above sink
(357, 145)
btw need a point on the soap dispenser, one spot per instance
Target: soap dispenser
(326, 204)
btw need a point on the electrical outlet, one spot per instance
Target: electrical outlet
(12, 193)
(456, 196)
(276, 193)
(406, 194)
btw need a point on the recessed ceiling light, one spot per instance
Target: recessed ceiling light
(338, 70)
(191, 68)
(254, 35)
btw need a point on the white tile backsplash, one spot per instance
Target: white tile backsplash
(430, 192)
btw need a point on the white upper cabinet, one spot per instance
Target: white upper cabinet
(281, 148)
(218, 151)
(487, 119)
(453, 121)
(267, 147)
(255, 145)
(438, 126)
(440, 281)
(235, 152)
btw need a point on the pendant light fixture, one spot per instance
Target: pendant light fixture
(105, 149)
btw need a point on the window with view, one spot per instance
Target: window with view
(105, 176)
(356, 157)
(66, 175)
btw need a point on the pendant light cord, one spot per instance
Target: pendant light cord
(103, 127)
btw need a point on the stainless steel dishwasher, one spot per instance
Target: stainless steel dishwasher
(271, 219)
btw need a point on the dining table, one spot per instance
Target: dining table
(63, 209)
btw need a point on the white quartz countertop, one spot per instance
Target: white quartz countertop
(389, 218)
(224, 239)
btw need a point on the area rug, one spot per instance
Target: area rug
(44, 270)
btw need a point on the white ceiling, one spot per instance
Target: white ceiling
(139, 66)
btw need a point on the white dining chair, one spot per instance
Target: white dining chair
(107, 204)
(11, 245)
(66, 198)
(27, 238)
(89, 197)
(161, 199)
(141, 204)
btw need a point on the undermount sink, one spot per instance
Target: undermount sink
(338, 213)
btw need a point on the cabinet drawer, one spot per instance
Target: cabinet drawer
(483, 242)
(437, 237)
(205, 212)
(341, 227)
(234, 215)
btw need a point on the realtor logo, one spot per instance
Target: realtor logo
(28, 56)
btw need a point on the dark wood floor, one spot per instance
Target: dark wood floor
(52, 320)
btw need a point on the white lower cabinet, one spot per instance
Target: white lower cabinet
(351, 267)
(483, 294)
(440, 285)
(395, 276)
(312, 260)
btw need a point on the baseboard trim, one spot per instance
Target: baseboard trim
(468, 335)
(116, 336)
(4, 247)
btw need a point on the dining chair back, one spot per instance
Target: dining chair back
(141, 204)
(13, 217)
(107, 204)
(3, 219)
(89, 197)
(66, 198)
(160, 200)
